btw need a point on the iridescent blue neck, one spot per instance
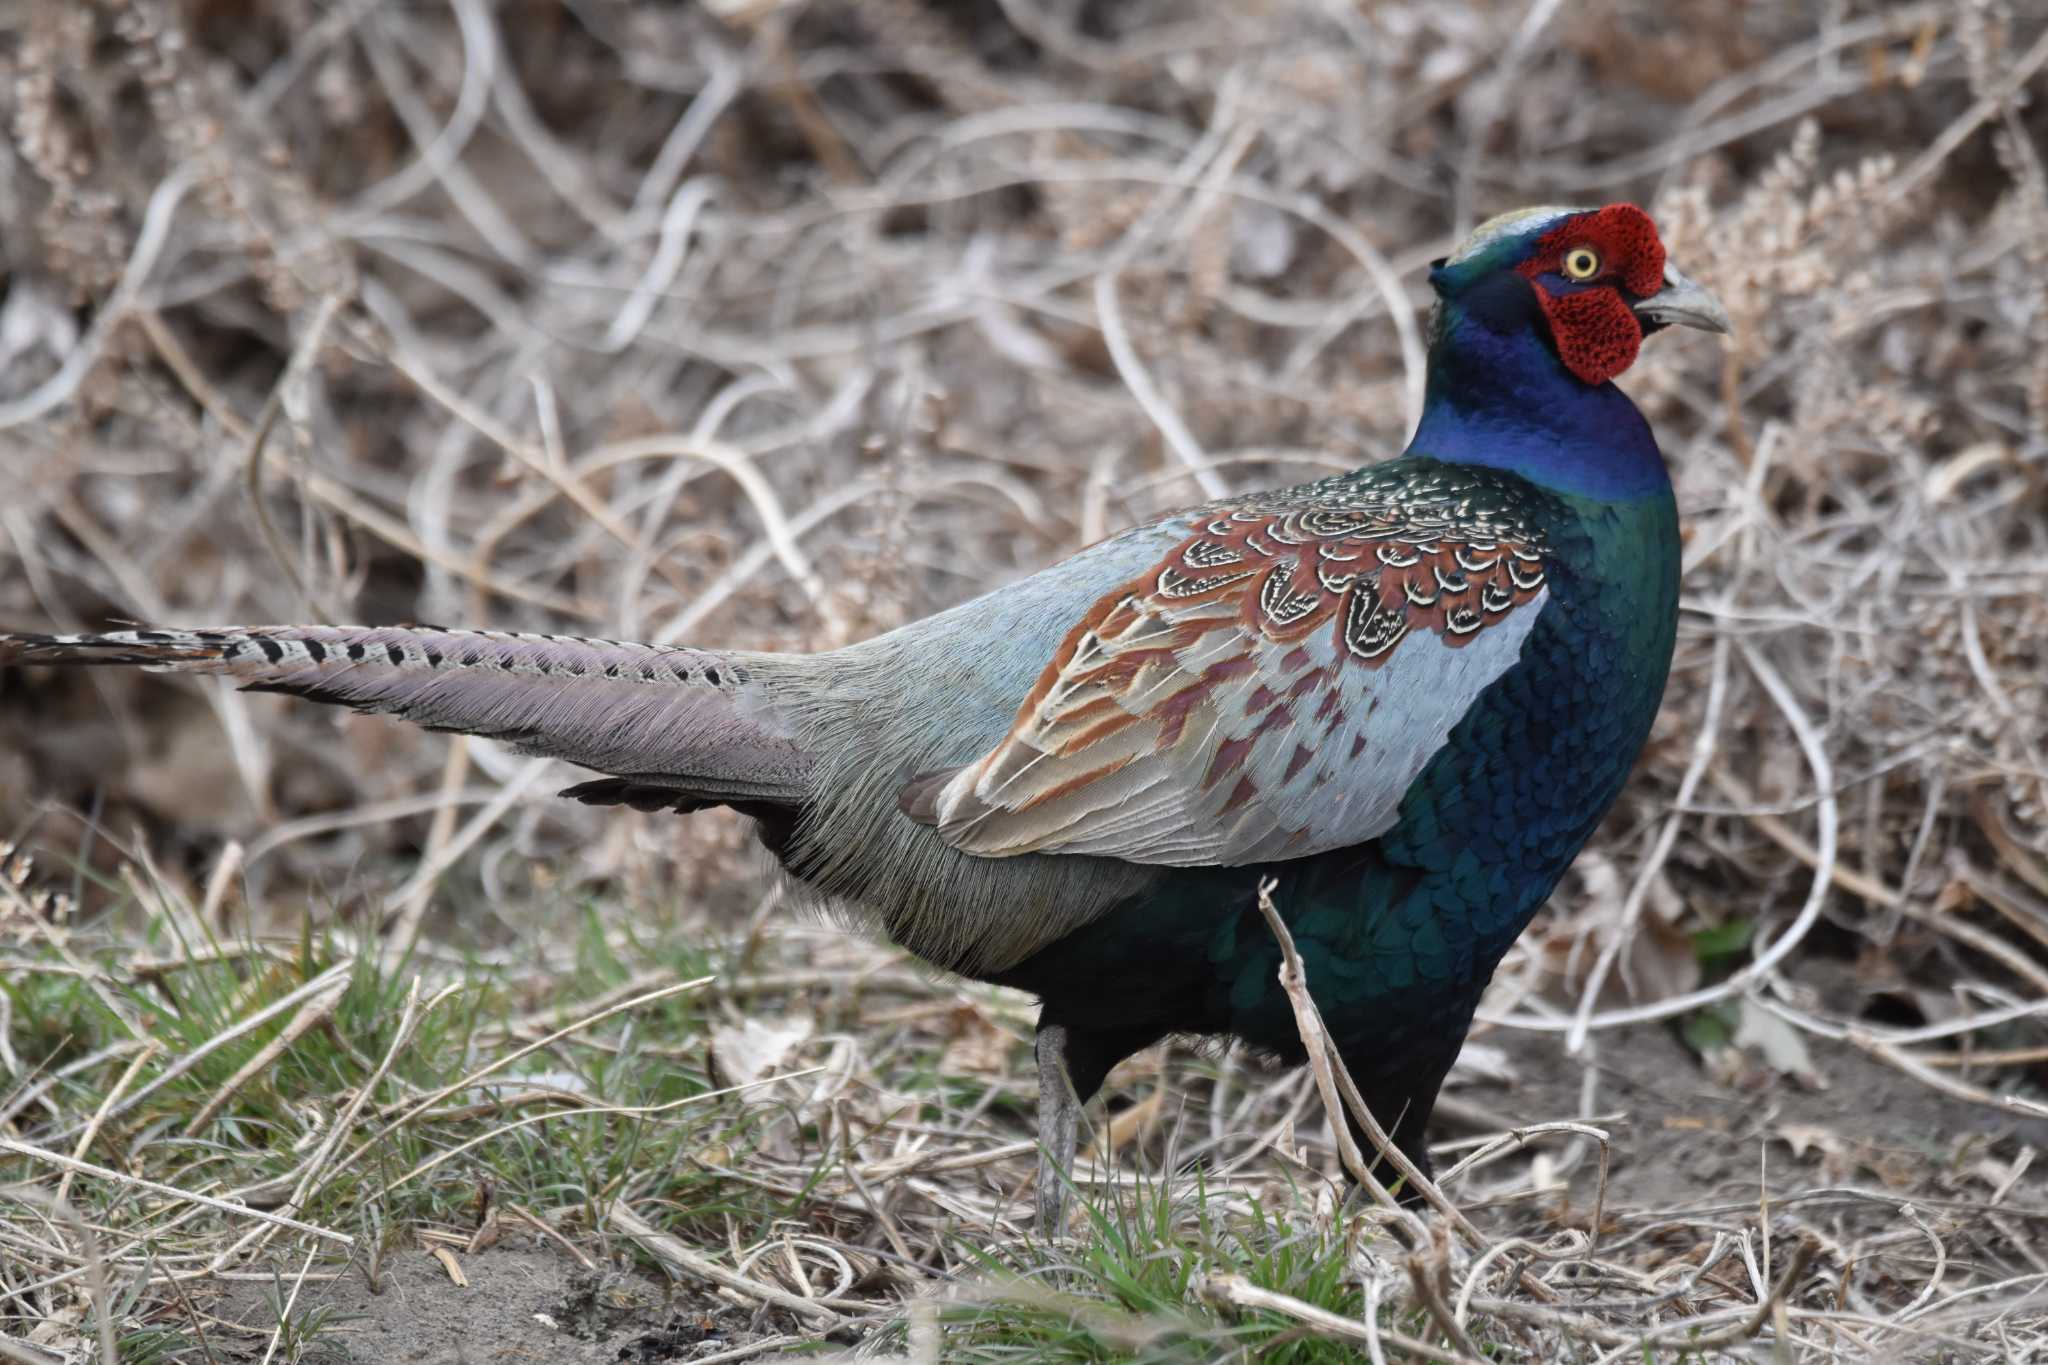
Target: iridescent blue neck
(1499, 396)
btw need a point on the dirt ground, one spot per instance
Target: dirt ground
(1683, 1139)
(525, 1301)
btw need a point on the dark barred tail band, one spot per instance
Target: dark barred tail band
(232, 650)
(663, 714)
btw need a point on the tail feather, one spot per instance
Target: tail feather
(664, 715)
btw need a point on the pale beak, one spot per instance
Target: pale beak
(1682, 302)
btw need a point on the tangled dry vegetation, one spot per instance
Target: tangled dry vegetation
(777, 324)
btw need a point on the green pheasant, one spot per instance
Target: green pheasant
(1406, 694)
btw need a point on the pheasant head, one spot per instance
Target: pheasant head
(1596, 280)
(1536, 312)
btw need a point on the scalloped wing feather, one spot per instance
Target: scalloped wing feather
(1268, 690)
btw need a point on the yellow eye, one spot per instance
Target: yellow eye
(1581, 263)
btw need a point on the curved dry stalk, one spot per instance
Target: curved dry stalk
(1340, 1096)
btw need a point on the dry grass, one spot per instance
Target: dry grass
(775, 325)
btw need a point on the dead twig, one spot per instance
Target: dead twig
(1332, 1080)
(672, 1253)
(1238, 1292)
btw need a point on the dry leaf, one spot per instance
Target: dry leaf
(755, 1048)
(1484, 1061)
(1130, 1125)
(1662, 961)
(1809, 1137)
(1289, 1145)
(1778, 1044)
(979, 1047)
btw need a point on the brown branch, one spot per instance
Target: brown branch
(1425, 1268)
(1333, 1079)
(1238, 1292)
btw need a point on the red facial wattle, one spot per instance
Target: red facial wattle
(1596, 332)
(1595, 326)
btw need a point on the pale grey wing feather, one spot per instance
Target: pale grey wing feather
(1231, 786)
(647, 711)
(1269, 690)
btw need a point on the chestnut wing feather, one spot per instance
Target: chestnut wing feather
(1268, 690)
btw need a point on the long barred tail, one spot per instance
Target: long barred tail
(693, 721)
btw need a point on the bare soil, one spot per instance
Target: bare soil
(1685, 1139)
(1682, 1139)
(525, 1301)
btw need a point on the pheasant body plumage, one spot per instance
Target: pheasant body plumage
(1400, 934)
(1407, 694)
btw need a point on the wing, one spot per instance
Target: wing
(1269, 690)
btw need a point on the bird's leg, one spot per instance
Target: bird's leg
(1401, 1098)
(1059, 1128)
(1071, 1068)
